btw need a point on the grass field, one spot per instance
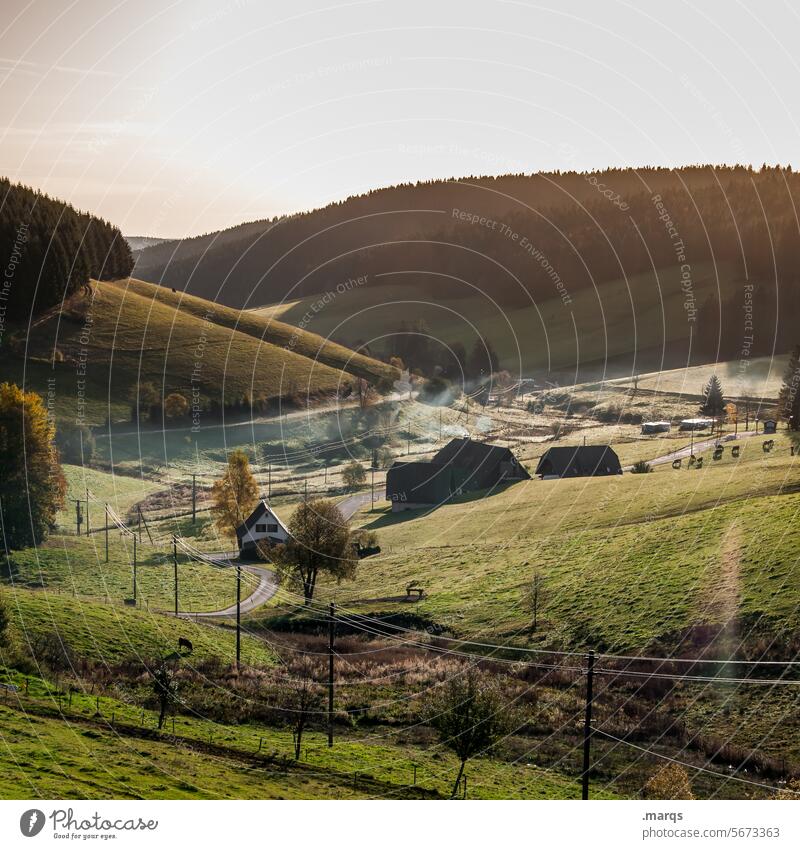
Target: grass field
(108, 633)
(81, 756)
(644, 313)
(624, 561)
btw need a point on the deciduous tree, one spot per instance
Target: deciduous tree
(469, 715)
(320, 541)
(32, 485)
(235, 494)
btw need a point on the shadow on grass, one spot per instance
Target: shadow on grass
(389, 518)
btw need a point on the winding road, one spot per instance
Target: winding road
(267, 585)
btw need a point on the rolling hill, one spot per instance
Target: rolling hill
(636, 258)
(88, 356)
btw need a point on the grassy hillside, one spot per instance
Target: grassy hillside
(114, 338)
(270, 330)
(81, 756)
(622, 326)
(624, 561)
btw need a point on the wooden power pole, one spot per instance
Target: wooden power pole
(331, 638)
(587, 727)
(194, 499)
(106, 533)
(238, 615)
(134, 568)
(175, 568)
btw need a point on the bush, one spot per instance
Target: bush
(670, 782)
(354, 475)
(3, 622)
(438, 391)
(75, 444)
(641, 467)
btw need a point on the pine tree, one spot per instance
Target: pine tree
(713, 400)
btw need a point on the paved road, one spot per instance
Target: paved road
(681, 453)
(267, 586)
(353, 503)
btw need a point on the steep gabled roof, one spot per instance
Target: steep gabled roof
(579, 460)
(470, 454)
(260, 510)
(422, 483)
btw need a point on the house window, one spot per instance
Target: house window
(272, 529)
(261, 529)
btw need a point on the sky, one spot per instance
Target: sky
(174, 119)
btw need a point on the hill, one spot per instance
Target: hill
(628, 563)
(267, 329)
(724, 237)
(106, 341)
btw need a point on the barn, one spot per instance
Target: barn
(414, 486)
(263, 525)
(462, 465)
(578, 461)
(485, 465)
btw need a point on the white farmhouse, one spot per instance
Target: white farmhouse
(263, 525)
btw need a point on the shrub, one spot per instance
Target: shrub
(670, 782)
(354, 475)
(75, 444)
(641, 467)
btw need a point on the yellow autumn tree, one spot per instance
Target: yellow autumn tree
(32, 484)
(235, 494)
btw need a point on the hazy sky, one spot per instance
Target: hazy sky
(175, 119)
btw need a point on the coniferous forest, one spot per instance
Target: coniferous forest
(50, 250)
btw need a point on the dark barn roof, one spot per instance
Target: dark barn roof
(481, 462)
(422, 483)
(579, 461)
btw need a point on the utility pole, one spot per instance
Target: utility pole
(305, 495)
(238, 615)
(175, 568)
(269, 479)
(409, 446)
(194, 498)
(78, 517)
(587, 726)
(87, 512)
(134, 568)
(106, 533)
(326, 470)
(331, 637)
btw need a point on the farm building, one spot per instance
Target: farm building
(412, 486)
(696, 424)
(461, 466)
(484, 465)
(262, 525)
(655, 427)
(578, 461)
